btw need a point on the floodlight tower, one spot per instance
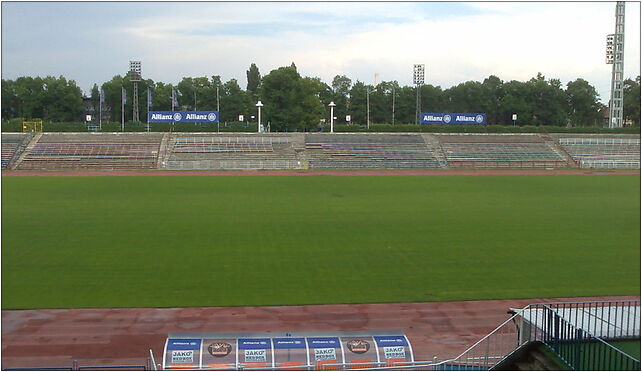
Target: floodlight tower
(615, 56)
(135, 76)
(418, 80)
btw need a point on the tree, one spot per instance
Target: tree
(583, 104)
(253, 81)
(10, 102)
(358, 102)
(341, 96)
(95, 97)
(291, 102)
(234, 101)
(632, 100)
(493, 93)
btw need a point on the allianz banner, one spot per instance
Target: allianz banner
(183, 116)
(452, 118)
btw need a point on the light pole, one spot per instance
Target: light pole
(218, 108)
(259, 105)
(331, 116)
(393, 106)
(368, 104)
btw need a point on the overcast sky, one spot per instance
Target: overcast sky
(90, 42)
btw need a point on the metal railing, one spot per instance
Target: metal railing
(579, 332)
(599, 141)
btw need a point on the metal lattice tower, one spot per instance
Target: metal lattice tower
(615, 56)
(135, 77)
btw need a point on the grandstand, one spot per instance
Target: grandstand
(231, 151)
(12, 146)
(92, 151)
(359, 151)
(501, 151)
(238, 151)
(612, 153)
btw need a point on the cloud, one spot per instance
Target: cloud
(456, 41)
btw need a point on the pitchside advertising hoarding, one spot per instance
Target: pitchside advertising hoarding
(452, 118)
(183, 116)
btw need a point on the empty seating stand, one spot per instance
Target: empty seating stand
(368, 151)
(106, 151)
(500, 151)
(12, 145)
(604, 153)
(232, 151)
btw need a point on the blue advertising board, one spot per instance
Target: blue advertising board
(183, 344)
(254, 343)
(182, 116)
(390, 341)
(452, 118)
(289, 343)
(323, 342)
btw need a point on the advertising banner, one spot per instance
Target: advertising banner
(393, 349)
(255, 352)
(183, 116)
(452, 118)
(359, 350)
(219, 353)
(183, 353)
(324, 350)
(290, 352)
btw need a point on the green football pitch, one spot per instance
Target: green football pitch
(227, 241)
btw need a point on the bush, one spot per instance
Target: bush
(439, 128)
(15, 125)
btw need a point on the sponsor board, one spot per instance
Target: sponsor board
(255, 355)
(452, 118)
(183, 344)
(219, 349)
(394, 352)
(323, 342)
(390, 341)
(182, 356)
(289, 343)
(183, 117)
(325, 354)
(358, 346)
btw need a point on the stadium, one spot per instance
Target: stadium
(304, 225)
(131, 243)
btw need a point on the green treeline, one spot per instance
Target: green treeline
(293, 102)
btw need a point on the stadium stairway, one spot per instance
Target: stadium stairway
(13, 147)
(555, 146)
(432, 143)
(164, 151)
(32, 143)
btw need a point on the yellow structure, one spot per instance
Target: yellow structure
(32, 126)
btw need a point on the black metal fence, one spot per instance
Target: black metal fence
(579, 333)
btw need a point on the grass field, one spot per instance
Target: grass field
(224, 241)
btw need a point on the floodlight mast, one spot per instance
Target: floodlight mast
(135, 76)
(418, 80)
(615, 56)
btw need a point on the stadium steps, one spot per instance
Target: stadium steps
(298, 144)
(435, 148)
(30, 145)
(555, 146)
(164, 150)
(12, 146)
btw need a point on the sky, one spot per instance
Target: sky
(90, 42)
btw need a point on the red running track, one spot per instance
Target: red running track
(33, 338)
